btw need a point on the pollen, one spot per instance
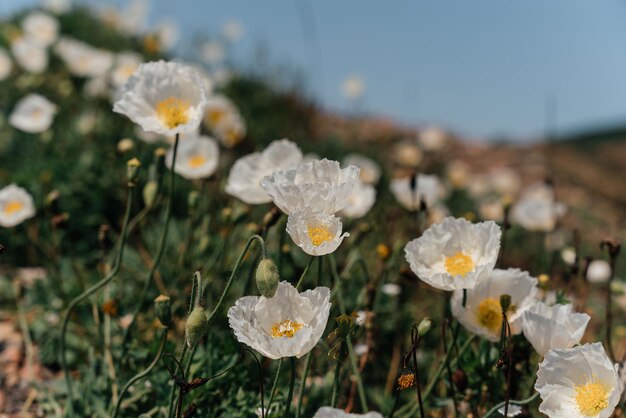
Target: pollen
(459, 264)
(286, 328)
(12, 207)
(489, 314)
(591, 398)
(319, 235)
(406, 380)
(172, 112)
(196, 161)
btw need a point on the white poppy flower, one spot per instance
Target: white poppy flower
(217, 109)
(391, 289)
(30, 56)
(232, 30)
(212, 52)
(245, 175)
(568, 254)
(360, 201)
(553, 327)
(491, 209)
(126, 63)
(458, 173)
(437, 214)
(57, 6)
(166, 98)
(578, 382)
(370, 170)
(231, 131)
(328, 412)
(83, 60)
(198, 157)
(537, 209)
(353, 87)
(482, 313)
(598, 271)
(455, 254)
(433, 138)
(505, 181)
(407, 153)
(6, 65)
(16, 205)
(316, 232)
(514, 410)
(288, 324)
(427, 187)
(41, 28)
(33, 114)
(168, 32)
(320, 185)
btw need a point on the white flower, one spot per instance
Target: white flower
(578, 382)
(433, 138)
(458, 173)
(83, 60)
(319, 185)
(427, 188)
(245, 175)
(455, 254)
(482, 314)
(212, 52)
(286, 325)
(232, 30)
(391, 289)
(370, 170)
(438, 213)
(514, 410)
(57, 6)
(505, 181)
(30, 56)
(168, 32)
(407, 153)
(166, 98)
(6, 65)
(360, 201)
(231, 131)
(568, 254)
(598, 271)
(537, 209)
(41, 28)
(328, 412)
(16, 205)
(353, 87)
(491, 209)
(316, 232)
(198, 157)
(33, 114)
(126, 63)
(553, 327)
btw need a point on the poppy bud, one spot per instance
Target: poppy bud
(267, 277)
(196, 326)
(163, 310)
(132, 171)
(424, 326)
(150, 191)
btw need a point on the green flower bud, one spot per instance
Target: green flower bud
(267, 277)
(132, 171)
(196, 326)
(150, 191)
(163, 310)
(192, 199)
(423, 326)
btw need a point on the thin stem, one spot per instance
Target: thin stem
(159, 253)
(116, 267)
(320, 269)
(512, 402)
(307, 364)
(292, 383)
(418, 387)
(357, 375)
(275, 384)
(141, 375)
(173, 391)
(336, 380)
(304, 272)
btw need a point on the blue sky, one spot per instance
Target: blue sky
(483, 68)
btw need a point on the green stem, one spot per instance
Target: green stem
(357, 376)
(501, 404)
(304, 272)
(336, 380)
(89, 292)
(275, 384)
(159, 253)
(141, 375)
(292, 383)
(307, 364)
(170, 409)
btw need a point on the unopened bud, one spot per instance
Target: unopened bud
(267, 277)
(125, 145)
(163, 310)
(423, 326)
(196, 326)
(505, 302)
(192, 199)
(150, 191)
(132, 171)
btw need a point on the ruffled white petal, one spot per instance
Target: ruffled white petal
(33, 114)
(10, 197)
(328, 412)
(299, 223)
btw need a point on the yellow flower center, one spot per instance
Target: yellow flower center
(172, 112)
(489, 314)
(12, 207)
(319, 235)
(406, 380)
(591, 398)
(286, 328)
(196, 161)
(459, 264)
(215, 116)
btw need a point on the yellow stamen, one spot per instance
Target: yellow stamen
(406, 380)
(12, 207)
(489, 314)
(286, 328)
(196, 161)
(319, 235)
(459, 264)
(172, 112)
(591, 398)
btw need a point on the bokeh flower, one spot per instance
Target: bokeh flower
(537, 208)
(166, 98)
(578, 382)
(40, 28)
(455, 254)
(433, 138)
(197, 157)
(126, 63)
(598, 271)
(548, 328)
(360, 201)
(30, 56)
(328, 412)
(33, 114)
(246, 174)
(286, 325)
(16, 205)
(370, 170)
(6, 65)
(316, 232)
(83, 60)
(482, 313)
(320, 185)
(427, 188)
